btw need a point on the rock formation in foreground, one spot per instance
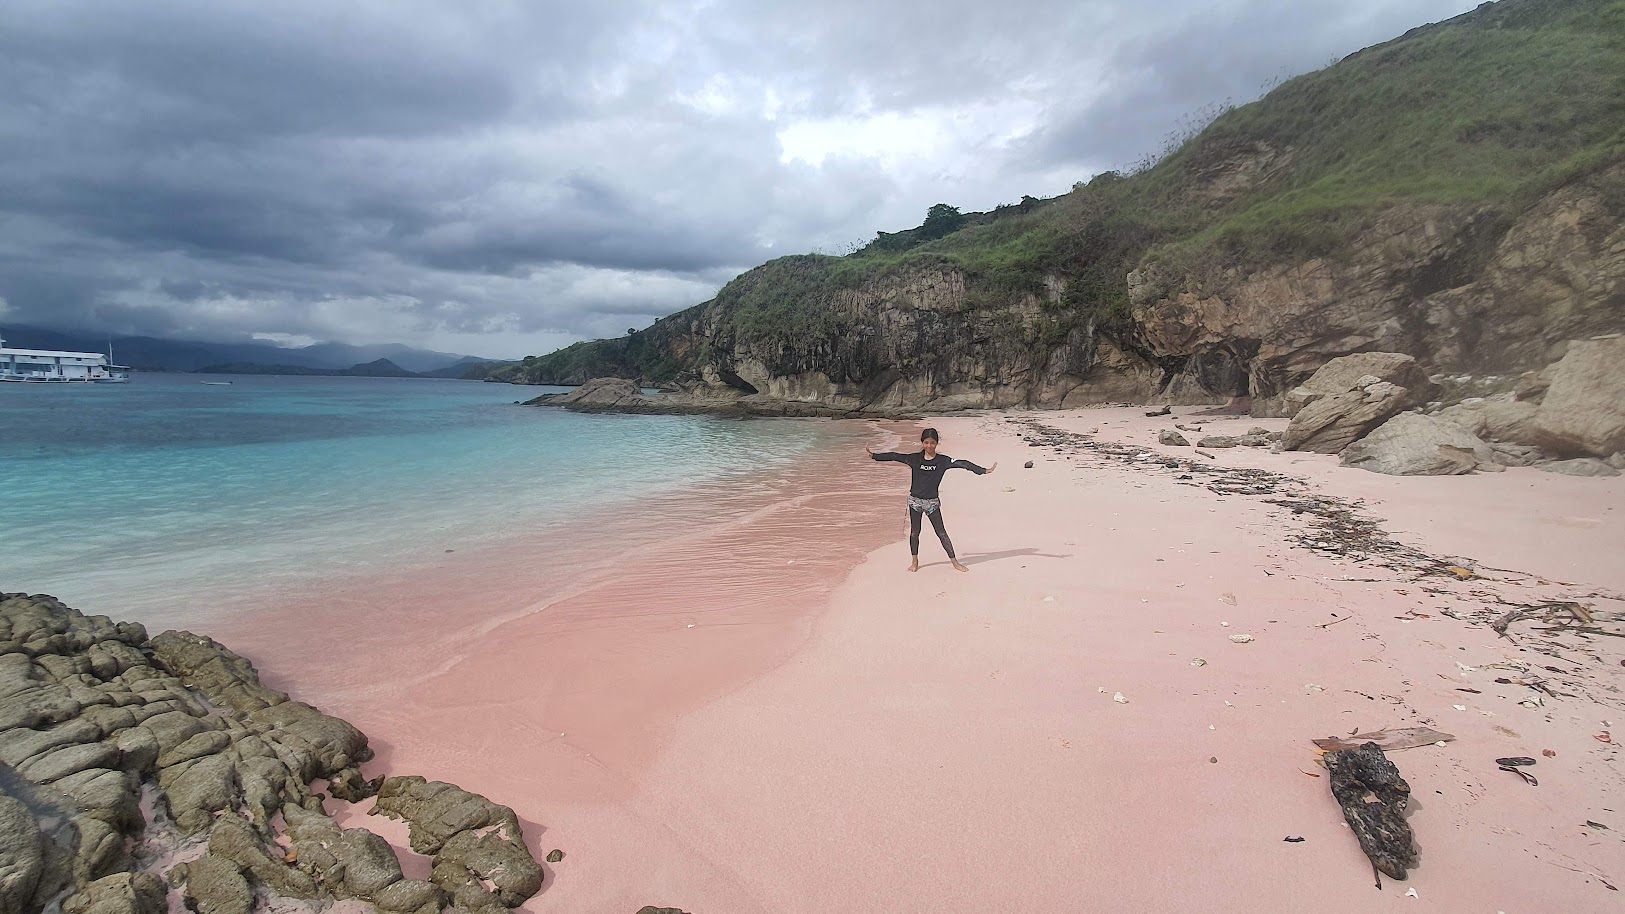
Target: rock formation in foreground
(141, 774)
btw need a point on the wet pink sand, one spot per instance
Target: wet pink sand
(838, 734)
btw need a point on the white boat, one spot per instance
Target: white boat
(50, 366)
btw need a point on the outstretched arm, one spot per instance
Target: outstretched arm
(884, 455)
(967, 465)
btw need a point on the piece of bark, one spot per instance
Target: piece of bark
(1402, 738)
(1379, 823)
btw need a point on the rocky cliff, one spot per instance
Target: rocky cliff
(1448, 194)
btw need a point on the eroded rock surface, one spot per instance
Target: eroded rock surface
(139, 775)
(1583, 411)
(1411, 444)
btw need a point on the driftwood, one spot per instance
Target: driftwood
(1401, 738)
(1379, 822)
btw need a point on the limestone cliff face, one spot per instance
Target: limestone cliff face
(1454, 287)
(1459, 288)
(1387, 203)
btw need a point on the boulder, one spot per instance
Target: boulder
(1345, 373)
(1583, 412)
(214, 885)
(1172, 438)
(600, 394)
(1216, 441)
(480, 857)
(120, 893)
(369, 862)
(1505, 420)
(1579, 466)
(22, 857)
(1331, 423)
(1411, 444)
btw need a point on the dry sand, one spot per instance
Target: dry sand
(950, 742)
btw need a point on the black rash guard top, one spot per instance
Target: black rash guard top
(927, 474)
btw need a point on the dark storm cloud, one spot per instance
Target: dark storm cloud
(501, 176)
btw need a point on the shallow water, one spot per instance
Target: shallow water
(172, 501)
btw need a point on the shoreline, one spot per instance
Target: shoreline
(767, 713)
(558, 705)
(952, 741)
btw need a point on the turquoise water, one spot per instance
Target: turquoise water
(126, 499)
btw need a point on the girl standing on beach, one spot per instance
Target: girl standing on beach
(927, 468)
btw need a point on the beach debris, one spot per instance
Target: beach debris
(1241, 639)
(1603, 737)
(1009, 488)
(1465, 574)
(1049, 599)
(1549, 753)
(1598, 825)
(1459, 707)
(1293, 839)
(1310, 688)
(1515, 765)
(1160, 412)
(1223, 624)
(1229, 599)
(1197, 661)
(1391, 740)
(1411, 893)
(1559, 615)
(1379, 823)
(1120, 698)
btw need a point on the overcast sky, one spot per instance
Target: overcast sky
(504, 178)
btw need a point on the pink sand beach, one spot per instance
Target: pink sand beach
(768, 713)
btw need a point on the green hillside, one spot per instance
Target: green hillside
(1491, 109)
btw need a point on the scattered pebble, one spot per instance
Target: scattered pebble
(1198, 662)
(555, 855)
(1241, 639)
(1459, 707)
(1120, 698)
(1411, 893)
(1049, 599)
(1310, 688)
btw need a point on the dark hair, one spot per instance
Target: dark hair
(930, 433)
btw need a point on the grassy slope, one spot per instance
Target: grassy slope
(1492, 109)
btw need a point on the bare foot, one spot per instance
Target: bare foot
(914, 565)
(959, 567)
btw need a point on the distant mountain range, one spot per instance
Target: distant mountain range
(146, 353)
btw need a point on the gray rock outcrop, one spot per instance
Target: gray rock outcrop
(1411, 444)
(1172, 438)
(1580, 466)
(95, 716)
(1583, 411)
(1346, 372)
(1331, 422)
